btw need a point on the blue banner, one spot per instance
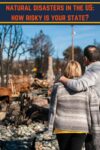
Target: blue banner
(50, 13)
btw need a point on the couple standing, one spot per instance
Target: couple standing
(74, 109)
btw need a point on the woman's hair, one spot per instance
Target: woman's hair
(73, 69)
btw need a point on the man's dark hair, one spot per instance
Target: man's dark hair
(92, 53)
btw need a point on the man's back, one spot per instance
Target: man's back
(95, 68)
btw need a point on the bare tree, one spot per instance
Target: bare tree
(3, 33)
(10, 42)
(41, 47)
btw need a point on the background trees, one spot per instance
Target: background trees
(10, 43)
(40, 48)
(78, 55)
(13, 46)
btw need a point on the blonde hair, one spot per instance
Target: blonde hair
(73, 69)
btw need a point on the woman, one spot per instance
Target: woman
(72, 115)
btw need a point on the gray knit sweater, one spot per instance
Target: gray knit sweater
(74, 111)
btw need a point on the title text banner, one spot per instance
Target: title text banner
(50, 13)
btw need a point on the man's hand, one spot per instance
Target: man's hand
(63, 79)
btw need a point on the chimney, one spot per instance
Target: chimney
(50, 73)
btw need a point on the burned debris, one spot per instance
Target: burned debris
(24, 115)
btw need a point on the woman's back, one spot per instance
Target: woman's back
(72, 110)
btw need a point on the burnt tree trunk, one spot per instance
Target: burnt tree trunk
(1, 69)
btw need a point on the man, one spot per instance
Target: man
(91, 76)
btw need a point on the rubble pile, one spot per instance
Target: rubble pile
(23, 126)
(23, 83)
(40, 83)
(19, 83)
(46, 142)
(24, 137)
